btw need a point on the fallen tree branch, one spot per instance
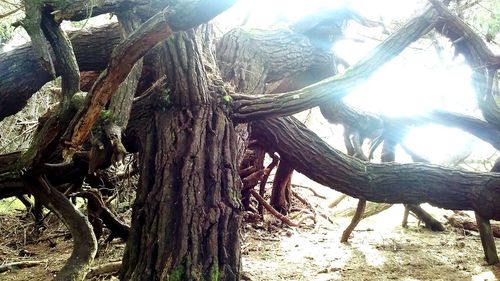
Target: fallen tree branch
(106, 268)
(463, 221)
(19, 265)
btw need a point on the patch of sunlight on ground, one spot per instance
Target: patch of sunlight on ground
(10, 204)
(484, 276)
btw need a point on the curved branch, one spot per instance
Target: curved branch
(386, 183)
(84, 241)
(247, 108)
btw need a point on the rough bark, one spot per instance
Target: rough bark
(121, 102)
(65, 57)
(84, 242)
(179, 16)
(32, 23)
(186, 217)
(384, 183)
(281, 192)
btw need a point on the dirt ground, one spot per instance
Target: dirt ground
(379, 248)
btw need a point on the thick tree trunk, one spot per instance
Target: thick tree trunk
(186, 217)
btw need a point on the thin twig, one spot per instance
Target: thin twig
(271, 209)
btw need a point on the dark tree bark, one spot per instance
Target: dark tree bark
(188, 198)
(282, 184)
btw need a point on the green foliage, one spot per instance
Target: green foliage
(227, 98)
(177, 274)
(214, 272)
(6, 32)
(164, 100)
(105, 116)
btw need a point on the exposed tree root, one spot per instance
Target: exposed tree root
(99, 212)
(84, 242)
(305, 202)
(355, 220)
(263, 181)
(280, 195)
(406, 213)
(487, 239)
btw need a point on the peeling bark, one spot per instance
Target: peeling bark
(179, 16)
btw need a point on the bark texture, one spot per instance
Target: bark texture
(186, 217)
(383, 183)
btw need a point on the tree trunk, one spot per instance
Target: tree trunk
(280, 196)
(186, 217)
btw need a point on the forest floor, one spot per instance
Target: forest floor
(379, 248)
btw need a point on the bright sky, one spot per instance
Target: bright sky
(415, 82)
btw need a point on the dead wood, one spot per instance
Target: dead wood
(106, 268)
(463, 221)
(337, 201)
(20, 265)
(99, 212)
(271, 209)
(370, 210)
